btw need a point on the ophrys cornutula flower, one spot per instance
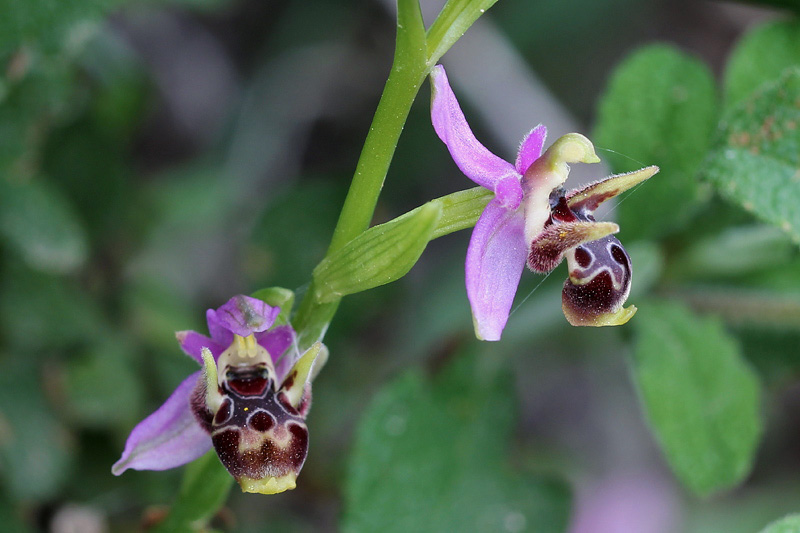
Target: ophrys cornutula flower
(531, 220)
(249, 402)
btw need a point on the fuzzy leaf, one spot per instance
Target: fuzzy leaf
(36, 450)
(660, 108)
(380, 255)
(761, 56)
(700, 396)
(432, 455)
(787, 524)
(756, 163)
(40, 224)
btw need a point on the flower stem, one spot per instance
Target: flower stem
(415, 55)
(409, 70)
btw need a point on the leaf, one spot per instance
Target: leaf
(700, 397)
(787, 524)
(102, 386)
(380, 255)
(40, 224)
(760, 57)
(205, 488)
(735, 251)
(660, 108)
(756, 163)
(35, 448)
(39, 312)
(431, 455)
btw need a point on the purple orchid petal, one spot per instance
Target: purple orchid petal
(241, 315)
(192, 344)
(219, 332)
(508, 192)
(531, 148)
(495, 259)
(276, 341)
(475, 161)
(169, 437)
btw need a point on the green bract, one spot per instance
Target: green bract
(380, 255)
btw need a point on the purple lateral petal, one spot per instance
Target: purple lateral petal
(221, 334)
(508, 192)
(474, 160)
(276, 341)
(241, 315)
(192, 344)
(495, 259)
(531, 148)
(167, 438)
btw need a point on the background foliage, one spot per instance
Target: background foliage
(157, 157)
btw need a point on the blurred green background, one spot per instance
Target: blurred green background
(158, 157)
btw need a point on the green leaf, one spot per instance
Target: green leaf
(40, 224)
(756, 163)
(40, 312)
(787, 524)
(102, 386)
(735, 251)
(205, 488)
(761, 56)
(461, 210)
(45, 23)
(431, 455)
(660, 108)
(380, 255)
(701, 398)
(35, 447)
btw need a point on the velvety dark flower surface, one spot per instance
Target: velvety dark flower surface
(522, 224)
(249, 402)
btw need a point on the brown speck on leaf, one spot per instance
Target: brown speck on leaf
(740, 138)
(18, 65)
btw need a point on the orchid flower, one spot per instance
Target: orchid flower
(249, 402)
(532, 220)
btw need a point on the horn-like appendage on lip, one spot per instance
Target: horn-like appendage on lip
(549, 247)
(599, 283)
(588, 198)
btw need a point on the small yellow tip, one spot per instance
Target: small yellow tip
(617, 318)
(573, 148)
(269, 485)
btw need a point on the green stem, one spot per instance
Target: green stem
(415, 55)
(409, 70)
